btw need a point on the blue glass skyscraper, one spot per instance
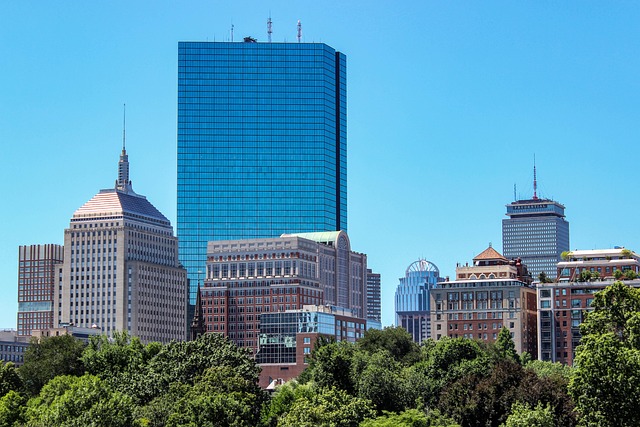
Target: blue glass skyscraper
(261, 143)
(413, 304)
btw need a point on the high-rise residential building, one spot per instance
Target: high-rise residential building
(537, 232)
(36, 283)
(373, 296)
(491, 294)
(262, 147)
(121, 270)
(413, 305)
(249, 277)
(563, 304)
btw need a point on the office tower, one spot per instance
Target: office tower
(249, 277)
(373, 295)
(412, 299)
(491, 294)
(563, 304)
(261, 143)
(537, 232)
(36, 283)
(121, 270)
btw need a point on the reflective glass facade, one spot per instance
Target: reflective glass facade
(413, 300)
(537, 232)
(261, 143)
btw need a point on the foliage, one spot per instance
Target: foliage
(9, 378)
(504, 346)
(283, 399)
(411, 418)
(606, 380)
(329, 407)
(626, 253)
(396, 340)
(588, 276)
(566, 255)
(524, 416)
(185, 362)
(546, 368)
(542, 278)
(49, 357)
(12, 408)
(68, 401)
(630, 275)
(377, 377)
(221, 397)
(446, 361)
(618, 274)
(331, 364)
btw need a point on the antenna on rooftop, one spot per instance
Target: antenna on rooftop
(269, 30)
(535, 181)
(515, 198)
(124, 126)
(299, 31)
(231, 32)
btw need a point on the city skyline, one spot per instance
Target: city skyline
(438, 93)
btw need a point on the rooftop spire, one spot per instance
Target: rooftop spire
(535, 181)
(123, 183)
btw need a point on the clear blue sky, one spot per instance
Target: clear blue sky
(447, 104)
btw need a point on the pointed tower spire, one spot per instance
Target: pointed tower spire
(197, 323)
(123, 183)
(535, 181)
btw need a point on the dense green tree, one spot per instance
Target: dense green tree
(411, 418)
(12, 409)
(282, 400)
(49, 357)
(185, 362)
(222, 397)
(331, 364)
(68, 401)
(474, 401)
(606, 380)
(377, 377)
(544, 368)
(448, 360)
(9, 378)
(505, 347)
(328, 407)
(525, 416)
(396, 340)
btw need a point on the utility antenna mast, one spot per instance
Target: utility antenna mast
(269, 30)
(231, 32)
(535, 181)
(515, 198)
(124, 126)
(299, 31)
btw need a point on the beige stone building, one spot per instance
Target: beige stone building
(121, 269)
(492, 293)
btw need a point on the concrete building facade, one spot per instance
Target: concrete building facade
(491, 294)
(37, 278)
(121, 270)
(374, 311)
(537, 232)
(247, 278)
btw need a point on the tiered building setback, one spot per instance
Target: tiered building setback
(121, 270)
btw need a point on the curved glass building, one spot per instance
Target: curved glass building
(412, 298)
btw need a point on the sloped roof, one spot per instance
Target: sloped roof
(489, 254)
(115, 203)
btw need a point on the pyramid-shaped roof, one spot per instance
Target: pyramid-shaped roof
(489, 254)
(114, 202)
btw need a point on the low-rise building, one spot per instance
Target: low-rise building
(286, 339)
(491, 294)
(12, 347)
